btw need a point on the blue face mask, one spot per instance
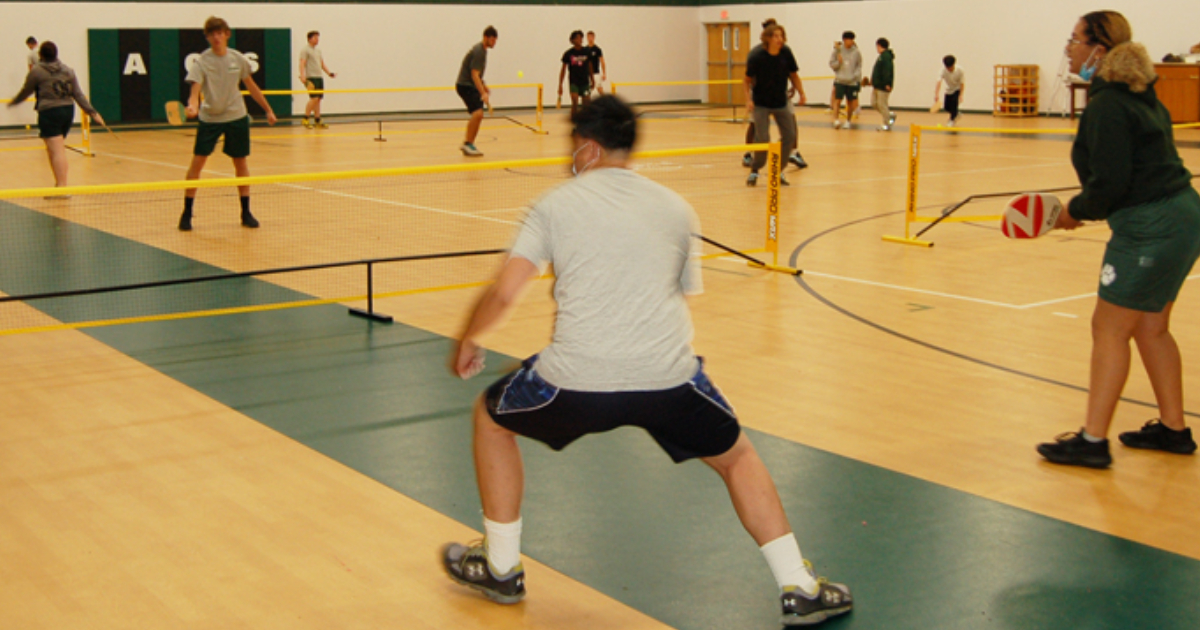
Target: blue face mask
(1087, 72)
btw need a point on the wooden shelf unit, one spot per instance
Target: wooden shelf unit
(1015, 91)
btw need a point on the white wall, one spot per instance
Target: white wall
(980, 33)
(422, 45)
(403, 45)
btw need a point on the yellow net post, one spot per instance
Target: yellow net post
(539, 107)
(85, 134)
(910, 203)
(774, 168)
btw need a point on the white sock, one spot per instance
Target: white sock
(503, 544)
(1089, 437)
(783, 556)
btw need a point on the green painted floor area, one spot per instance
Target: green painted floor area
(615, 514)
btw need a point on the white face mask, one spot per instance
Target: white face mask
(576, 171)
(1086, 72)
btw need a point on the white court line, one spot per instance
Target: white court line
(338, 194)
(963, 298)
(1066, 315)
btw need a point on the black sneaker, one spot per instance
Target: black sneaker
(752, 180)
(801, 609)
(1155, 435)
(469, 566)
(783, 180)
(185, 222)
(1073, 450)
(798, 161)
(248, 220)
(747, 160)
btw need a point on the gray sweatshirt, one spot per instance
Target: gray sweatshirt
(848, 71)
(55, 85)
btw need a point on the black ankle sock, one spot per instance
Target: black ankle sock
(188, 202)
(245, 204)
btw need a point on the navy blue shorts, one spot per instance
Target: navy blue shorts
(688, 421)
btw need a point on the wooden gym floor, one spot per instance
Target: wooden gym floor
(300, 468)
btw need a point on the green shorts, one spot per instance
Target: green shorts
(55, 121)
(848, 92)
(581, 90)
(237, 138)
(1152, 250)
(318, 83)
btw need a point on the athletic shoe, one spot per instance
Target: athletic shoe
(891, 118)
(1156, 436)
(837, 124)
(185, 222)
(308, 124)
(752, 180)
(952, 123)
(801, 609)
(884, 128)
(797, 160)
(469, 566)
(321, 125)
(747, 160)
(248, 220)
(469, 150)
(783, 180)
(1072, 449)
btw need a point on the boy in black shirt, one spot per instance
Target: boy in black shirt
(578, 62)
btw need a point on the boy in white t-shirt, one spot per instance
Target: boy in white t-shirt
(952, 76)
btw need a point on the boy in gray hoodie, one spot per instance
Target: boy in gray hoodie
(57, 90)
(846, 62)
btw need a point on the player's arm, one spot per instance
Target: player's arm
(326, 69)
(494, 305)
(748, 85)
(799, 87)
(480, 85)
(301, 66)
(562, 72)
(603, 69)
(937, 90)
(27, 90)
(193, 106)
(258, 97)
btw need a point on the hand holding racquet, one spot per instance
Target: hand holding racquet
(176, 112)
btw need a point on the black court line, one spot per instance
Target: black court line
(793, 261)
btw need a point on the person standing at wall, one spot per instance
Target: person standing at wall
(599, 65)
(846, 62)
(882, 75)
(31, 58)
(312, 64)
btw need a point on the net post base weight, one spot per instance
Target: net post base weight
(371, 315)
(370, 312)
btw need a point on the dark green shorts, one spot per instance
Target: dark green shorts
(55, 121)
(848, 92)
(237, 138)
(318, 83)
(581, 89)
(1151, 253)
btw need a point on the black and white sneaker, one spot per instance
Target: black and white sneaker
(747, 160)
(468, 565)
(1156, 436)
(752, 180)
(798, 161)
(1073, 449)
(802, 609)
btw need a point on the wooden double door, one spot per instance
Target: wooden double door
(728, 45)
